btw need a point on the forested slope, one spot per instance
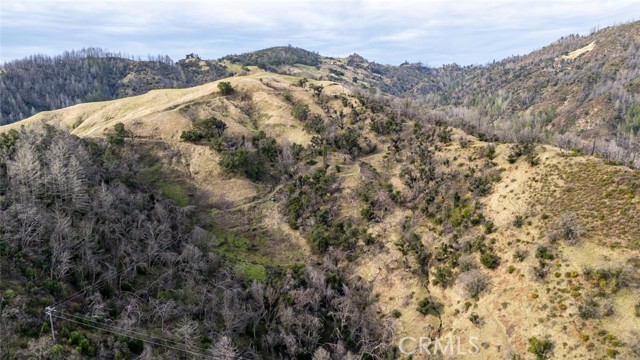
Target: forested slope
(41, 83)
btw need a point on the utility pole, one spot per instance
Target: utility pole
(49, 310)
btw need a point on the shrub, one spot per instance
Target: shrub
(520, 255)
(637, 309)
(612, 353)
(349, 140)
(443, 276)
(295, 206)
(320, 239)
(543, 253)
(317, 89)
(480, 185)
(225, 88)
(489, 227)
(445, 134)
(427, 307)
(412, 244)
(7, 295)
(367, 238)
(367, 213)
(302, 82)
(120, 129)
(244, 162)
(117, 138)
(396, 313)
(135, 346)
(525, 149)
(314, 123)
(540, 348)
(490, 260)
(267, 146)
(327, 234)
(386, 127)
(532, 159)
(467, 305)
(287, 96)
(8, 141)
(489, 152)
(589, 309)
(518, 221)
(83, 345)
(56, 352)
(300, 111)
(611, 280)
(475, 319)
(207, 129)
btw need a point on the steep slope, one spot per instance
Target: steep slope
(440, 233)
(584, 85)
(236, 280)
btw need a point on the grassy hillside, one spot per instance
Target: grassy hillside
(361, 216)
(579, 93)
(580, 86)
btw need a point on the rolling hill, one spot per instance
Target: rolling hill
(581, 92)
(271, 215)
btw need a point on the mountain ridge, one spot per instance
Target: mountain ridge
(590, 97)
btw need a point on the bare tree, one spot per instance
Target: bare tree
(163, 310)
(568, 228)
(286, 160)
(28, 224)
(223, 349)
(473, 282)
(60, 244)
(321, 354)
(25, 172)
(78, 185)
(187, 331)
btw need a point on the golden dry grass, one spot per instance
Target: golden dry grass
(574, 54)
(604, 198)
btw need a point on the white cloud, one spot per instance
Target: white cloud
(466, 31)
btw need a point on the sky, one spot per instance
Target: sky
(433, 32)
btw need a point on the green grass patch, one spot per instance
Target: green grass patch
(239, 249)
(251, 272)
(153, 176)
(174, 192)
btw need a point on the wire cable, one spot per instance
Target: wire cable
(101, 328)
(130, 331)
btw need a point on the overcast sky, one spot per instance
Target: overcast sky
(431, 31)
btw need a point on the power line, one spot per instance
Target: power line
(130, 331)
(102, 328)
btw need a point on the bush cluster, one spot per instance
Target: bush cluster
(207, 129)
